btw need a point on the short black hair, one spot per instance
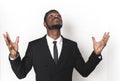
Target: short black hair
(47, 13)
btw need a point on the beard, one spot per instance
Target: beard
(56, 26)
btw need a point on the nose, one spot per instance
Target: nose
(56, 16)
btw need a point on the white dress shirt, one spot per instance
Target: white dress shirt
(50, 45)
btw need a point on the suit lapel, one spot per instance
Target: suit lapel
(47, 51)
(63, 52)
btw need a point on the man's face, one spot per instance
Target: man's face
(53, 21)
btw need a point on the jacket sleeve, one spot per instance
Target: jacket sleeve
(22, 67)
(85, 68)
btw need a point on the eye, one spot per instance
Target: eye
(50, 15)
(58, 16)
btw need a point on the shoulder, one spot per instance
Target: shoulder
(69, 41)
(38, 41)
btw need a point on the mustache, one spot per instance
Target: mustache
(56, 18)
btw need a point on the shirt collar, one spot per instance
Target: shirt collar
(50, 40)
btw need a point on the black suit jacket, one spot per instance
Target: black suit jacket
(38, 55)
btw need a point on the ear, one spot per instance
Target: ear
(45, 24)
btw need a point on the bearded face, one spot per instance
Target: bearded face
(54, 21)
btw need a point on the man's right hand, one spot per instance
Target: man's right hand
(12, 46)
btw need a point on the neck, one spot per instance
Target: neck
(54, 33)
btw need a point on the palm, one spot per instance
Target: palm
(12, 46)
(98, 46)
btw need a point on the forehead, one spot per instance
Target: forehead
(52, 13)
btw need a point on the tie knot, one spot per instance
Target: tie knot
(54, 42)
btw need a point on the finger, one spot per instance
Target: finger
(5, 38)
(108, 34)
(7, 43)
(8, 37)
(107, 38)
(93, 39)
(17, 40)
(104, 36)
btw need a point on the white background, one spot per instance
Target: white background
(82, 19)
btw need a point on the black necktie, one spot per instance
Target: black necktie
(55, 52)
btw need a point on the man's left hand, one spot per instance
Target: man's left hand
(98, 46)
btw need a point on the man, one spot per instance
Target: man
(53, 57)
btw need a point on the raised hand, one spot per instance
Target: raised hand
(12, 46)
(98, 46)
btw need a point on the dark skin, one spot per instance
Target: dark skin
(54, 18)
